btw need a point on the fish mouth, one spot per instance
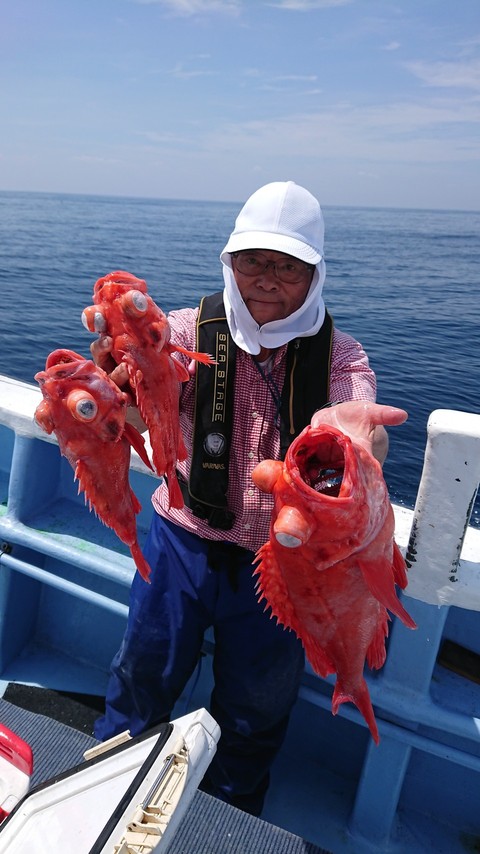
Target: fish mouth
(322, 467)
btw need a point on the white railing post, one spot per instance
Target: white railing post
(446, 494)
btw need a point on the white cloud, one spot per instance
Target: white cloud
(181, 72)
(391, 46)
(197, 7)
(303, 78)
(464, 75)
(308, 5)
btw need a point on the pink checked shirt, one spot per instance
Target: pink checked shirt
(255, 436)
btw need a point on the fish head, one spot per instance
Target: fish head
(79, 397)
(123, 309)
(321, 500)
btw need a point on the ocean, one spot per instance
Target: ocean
(403, 282)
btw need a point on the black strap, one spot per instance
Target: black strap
(213, 417)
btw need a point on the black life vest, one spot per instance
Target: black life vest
(305, 389)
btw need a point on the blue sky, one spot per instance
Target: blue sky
(365, 102)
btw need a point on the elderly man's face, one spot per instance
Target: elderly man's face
(272, 285)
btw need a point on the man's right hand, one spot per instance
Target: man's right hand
(101, 351)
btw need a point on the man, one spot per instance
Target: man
(279, 359)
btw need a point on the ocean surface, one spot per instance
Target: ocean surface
(403, 282)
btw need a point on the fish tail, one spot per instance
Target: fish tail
(361, 699)
(140, 562)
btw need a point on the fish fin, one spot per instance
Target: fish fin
(379, 578)
(137, 442)
(182, 374)
(135, 502)
(399, 567)
(376, 652)
(142, 565)
(182, 452)
(86, 484)
(361, 699)
(271, 587)
(317, 657)
(204, 358)
(160, 429)
(175, 497)
(96, 503)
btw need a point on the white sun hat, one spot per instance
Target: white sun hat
(281, 216)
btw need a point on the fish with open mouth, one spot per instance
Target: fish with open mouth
(86, 411)
(141, 340)
(330, 568)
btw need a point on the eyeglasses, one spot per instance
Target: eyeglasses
(288, 270)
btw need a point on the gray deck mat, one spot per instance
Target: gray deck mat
(209, 826)
(212, 827)
(56, 747)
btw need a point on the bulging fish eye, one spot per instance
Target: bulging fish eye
(82, 405)
(288, 540)
(93, 319)
(136, 303)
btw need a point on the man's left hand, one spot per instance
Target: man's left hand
(363, 421)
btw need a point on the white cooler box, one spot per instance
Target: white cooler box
(128, 796)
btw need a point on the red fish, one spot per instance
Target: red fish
(330, 567)
(86, 411)
(141, 340)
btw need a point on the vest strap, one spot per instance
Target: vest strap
(213, 418)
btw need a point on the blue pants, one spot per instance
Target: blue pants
(257, 664)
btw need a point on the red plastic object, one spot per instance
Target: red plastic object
(16, 766)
